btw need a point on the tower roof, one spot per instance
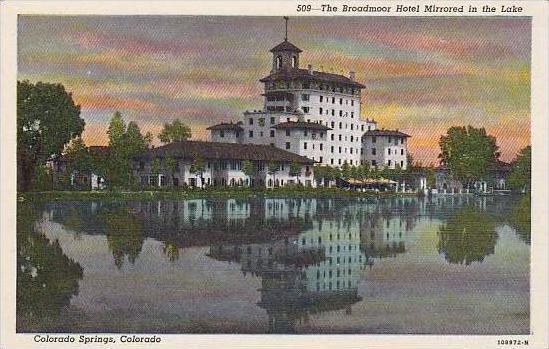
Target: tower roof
(286, 46)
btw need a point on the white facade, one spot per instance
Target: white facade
(385, 149)
(292, 94)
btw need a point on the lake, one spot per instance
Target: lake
(401, 265)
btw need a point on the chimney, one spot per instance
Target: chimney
(352, 75)
(310, 69)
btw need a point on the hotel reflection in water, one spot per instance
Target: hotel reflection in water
(308, 253)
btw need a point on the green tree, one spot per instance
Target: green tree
(169, 165)
(197, 168)
(175, 132)
(520, 218)
(272, 169)
(345, 170)
(78, 157)
(249, 170)
(126, 143)
(469, 153)
(295, 170)
(47, 119)
(520, 176)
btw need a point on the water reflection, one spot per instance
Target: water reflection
(311, 256)
(468, 236)
(46, 277)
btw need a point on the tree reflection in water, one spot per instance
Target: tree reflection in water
(124, 234)
(520, 218)
(468, 236)
(46, 277)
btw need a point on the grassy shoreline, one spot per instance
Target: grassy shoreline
(203, 193)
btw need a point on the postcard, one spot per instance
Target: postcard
(274, 174)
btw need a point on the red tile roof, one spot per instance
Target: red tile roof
(286, 46)
(385, 133)
(301, 125)
(226, 126)
(291, 74)
(225, 151)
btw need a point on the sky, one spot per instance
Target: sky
(422, 74)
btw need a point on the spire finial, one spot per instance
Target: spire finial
(286, 18)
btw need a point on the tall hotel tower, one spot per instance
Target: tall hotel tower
(312, 113)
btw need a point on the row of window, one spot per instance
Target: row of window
(390, 139)
(281, 85)
(389, 151)
(333, 100)
(332, 112)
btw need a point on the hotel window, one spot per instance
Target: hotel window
(261, 134)
(320, 159)
(333, 112)
(340, 126)
(251, 134)
(287, 133)
(389, 151)
(320, 111)
(306, 110)
(321, 134)
(305, 145)
(341, 113)
(333, 100)
(388, 164)
(305, 133)
(306, 86)
(402, 140)
(321, 146)
(340, 150)
(373, 151)
(321, 99)
(305, 97)
(331, 161)
(352, 127)
(251, 121)
(340, 138)
(401, 151)
(352, 102)
(272, 132)
(339, 161)
(352, 138)
(351, 149)
(361, 126)
(374, 163)
(333, 124)
(287, 145)
(279, 62)
(272, 120)
(390, 139)
(369, 128)
(221, 134)
(352, 114)
(332, 148)
(341, 101)
(373, 139)
(402, 164)
(332, 137)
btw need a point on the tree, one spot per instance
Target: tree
(249, 169)
(469, 153)
(197, 168)
(295, 170)
(345, 170)
(174, 132)
(520, 176)
(170, 165)
(272, 169)
(125, 143)
(78, 157)
(47, 119)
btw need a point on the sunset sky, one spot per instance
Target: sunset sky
(422, 75)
